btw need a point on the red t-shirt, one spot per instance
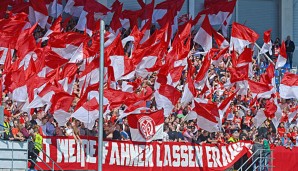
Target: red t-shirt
(237, 120)
(281, 131)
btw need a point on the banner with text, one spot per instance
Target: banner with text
(124, 155)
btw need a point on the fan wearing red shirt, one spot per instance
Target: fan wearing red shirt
(281, 129)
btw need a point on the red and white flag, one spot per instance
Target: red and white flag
(239, 73)
(146, 127)
(259, 118)
(225, 104)
(293, 113)
(220, 40)
(166, 97)
(87, 20)
(288, 87)
(68, 45)
(38, 13)
(260, 90)
(268, 76)
(207, 116)
(122, 66)
(267, 46)
(272, 110)
(189, 92)
(282, 57)
(74, 7)
(204, 35)
(88, 113)
(241, 37)
(62, 117)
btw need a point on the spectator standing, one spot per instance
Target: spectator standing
(17, 135)
(50, 127)
(43, 125)
(116, 133)
(266, 154)
(290, 48)
(257, 150)
(124, 135)
(7, 128)
(37, 138)
(26, 130)
(234, 138)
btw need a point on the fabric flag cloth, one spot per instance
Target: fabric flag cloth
(242, 36)
(288, 87)
(293, 113)
(267, 46)
(260, 90)
(146, 127)
(38, 13)
(282, 57)
(220, 40)
(204, 35)
(273, 111)
(207, 116)
(87, 113)
(189, 92)
(259, 118)
(166, 97)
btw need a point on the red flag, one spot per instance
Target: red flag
(61, 100)
(242, 36)
(208, 111)
(282, 57)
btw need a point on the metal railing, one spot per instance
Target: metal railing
(23, 156)
(53, 163)
(15, 155)
(260, 160)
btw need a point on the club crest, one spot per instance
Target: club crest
(146, 126)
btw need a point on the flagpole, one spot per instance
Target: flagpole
(264, 54)
(101, 76)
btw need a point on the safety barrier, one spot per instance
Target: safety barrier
(14, 155)
(259, 160)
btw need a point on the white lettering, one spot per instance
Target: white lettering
(231, 150)
(149, 156)
(208, 155)
(62, 145)
(115, 157)
(191, 156)
(85, 149)
(184, 156)
(78, 152)
(133, 150)
(48, 150)
(90, 157)
(216, 157)
(199, 155)
(158, 160)
(176, 155)
(225, 156)
(125, 154)
(105, 151)
(141, 155)
(71, 151)
(167, 156)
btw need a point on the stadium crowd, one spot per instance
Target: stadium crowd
(238, 123)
